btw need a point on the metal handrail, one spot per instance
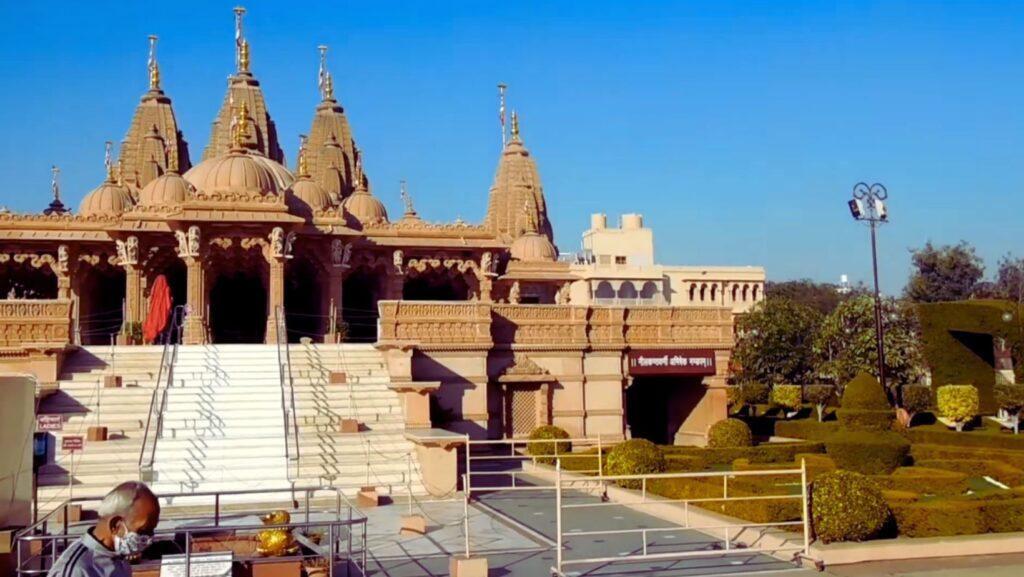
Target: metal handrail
(288, 411)
(168, 357)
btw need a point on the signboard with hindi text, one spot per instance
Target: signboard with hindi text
(72, 444)
(49, 423)
(667, 362)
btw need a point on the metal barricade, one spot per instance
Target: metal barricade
(516, 452)
(728, 531)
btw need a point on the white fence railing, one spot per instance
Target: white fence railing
(728, 531)
(482, 454)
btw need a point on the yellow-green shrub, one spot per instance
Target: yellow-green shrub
(634, 457)
(916, 399)
(958, 403)
(864, 406)
(846, 506)
(924, 480)
(548, 433)
(819, 396)
(927, 451)
(729, 433)
(960, 516)
(1002, 472)
(786, 397)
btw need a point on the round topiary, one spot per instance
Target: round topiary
(847, 506)
(729, 433)
(916, 399)
(864, 406)
(819, 395)
(867, 452)
(958, 403)
(786, 397)
(634, 457)
(545, 433)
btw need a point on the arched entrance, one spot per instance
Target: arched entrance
(24, 281)
(174, 271)
(101, 293)
(303, 300)
(362, 289)
(238, 307)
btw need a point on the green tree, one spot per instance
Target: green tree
(774, 343)
(946, 273)
(822, 297)
(845, 343)
(1009, 283)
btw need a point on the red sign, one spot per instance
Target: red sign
(72, 444)
(686, 362)
(49, 422)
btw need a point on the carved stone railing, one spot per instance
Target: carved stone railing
(455, 324)
(35, 323)
(471, 324)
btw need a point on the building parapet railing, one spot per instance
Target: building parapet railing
(35, 322)
(475, 324)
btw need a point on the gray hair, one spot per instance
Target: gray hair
(119, 501)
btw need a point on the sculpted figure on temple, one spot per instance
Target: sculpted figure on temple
(562, 297)
(132, 250)
(277, 241)
(289, 241)
(337, 252)
(193, 240)
(487, 262)
(513, 294)
(62, 258)
(398, 258)
(182, 242)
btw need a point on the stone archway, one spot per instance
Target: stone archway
(363, 288)
(238, 307)
(101, 295)
(305, 283)
(21, 280)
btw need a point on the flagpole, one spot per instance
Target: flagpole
(501, 111)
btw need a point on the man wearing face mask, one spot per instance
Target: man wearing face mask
(128, 516)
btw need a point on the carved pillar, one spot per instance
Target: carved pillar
(486, 286)
(195, 323)
(393, 286)
(334, 303)
(133, 292)
(275, 295)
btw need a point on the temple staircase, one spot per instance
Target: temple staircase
(223, 424)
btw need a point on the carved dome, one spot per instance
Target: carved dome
(235, 174)
(282, 175)
(166, 190)
(533, 247)
(365, 207)
(107, 199)
(306, 197)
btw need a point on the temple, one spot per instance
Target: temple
(506, 334)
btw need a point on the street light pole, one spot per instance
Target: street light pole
(868, 205)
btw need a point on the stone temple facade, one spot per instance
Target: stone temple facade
(481, 310)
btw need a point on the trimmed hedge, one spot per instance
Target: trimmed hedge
(958, 403)
(897, 496)
(969, 439)
(924, 480)
(864, 406)
(847, 506)
(924, 451)
(959, 516)
(1004, 473)
(763, 453)
(916, 399)
(866, 452)
(957, 345)
(783, 509)
(805, 429)
(786, 397)
(634, 457)
(548, 432)
(730, 433)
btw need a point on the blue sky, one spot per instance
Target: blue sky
(737, 128)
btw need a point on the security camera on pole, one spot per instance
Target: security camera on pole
(868, 205)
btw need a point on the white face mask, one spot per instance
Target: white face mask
(131, 544)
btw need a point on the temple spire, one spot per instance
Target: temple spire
(241, 44)
(303, 167)
(515, 126)
(152, 66)
(406, 199)
(108, 161)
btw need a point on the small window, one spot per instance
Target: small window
(604, 259)
(620, 260)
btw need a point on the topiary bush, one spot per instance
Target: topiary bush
(545, 433)
(734, 397)
(786, 397)
(1010, 400)
(867, 452)
(916, 399)
(958, 403)
(864, 406)
(729, 433)
(847, 506)
(754, 394)
(819, 396)
(634, 457)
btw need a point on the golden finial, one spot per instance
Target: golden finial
(108, 161)
(406, 199)
(241, 133)
(515, 125)
(172, 160)
(357, 173)
(329, 87)
(243, 57)
(152, 66)
(303, 168)
(120, 172)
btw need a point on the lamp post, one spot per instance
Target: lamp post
(868, 205)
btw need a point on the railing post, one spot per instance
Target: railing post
(467, 482)
(725, 486)
(806, 507)
(600, 457)
(558, 515)
(216, 510)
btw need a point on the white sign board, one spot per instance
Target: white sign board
(202, 565)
